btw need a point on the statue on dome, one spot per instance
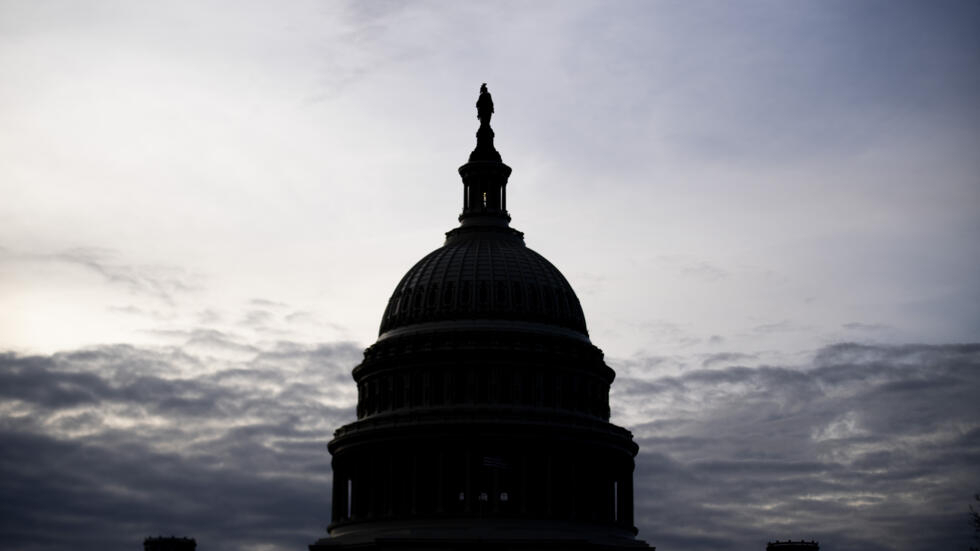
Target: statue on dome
(484, 106)
(484, 135)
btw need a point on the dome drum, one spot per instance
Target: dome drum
(475, 345)
(439, 379)
(488, 427)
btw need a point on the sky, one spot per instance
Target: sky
(770, 212)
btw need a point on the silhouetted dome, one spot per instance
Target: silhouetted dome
(483, 408)
(484, 273)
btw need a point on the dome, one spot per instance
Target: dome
(483, 273)
(484, 276)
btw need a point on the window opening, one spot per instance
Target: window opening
(350, 486)
(616, 500)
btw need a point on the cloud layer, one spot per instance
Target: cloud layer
(105, 446)
(862, 447)
(724, 184)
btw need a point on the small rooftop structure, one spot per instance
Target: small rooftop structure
(171, 543)
(790, 545)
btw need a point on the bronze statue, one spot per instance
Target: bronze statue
(484, 105)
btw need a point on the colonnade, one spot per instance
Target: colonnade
(397, 480)
(407, 388)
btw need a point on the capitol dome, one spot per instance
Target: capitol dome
(483, 274)
(483, 407)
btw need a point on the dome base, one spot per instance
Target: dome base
(484, 535)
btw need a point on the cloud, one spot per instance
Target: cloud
(265, 303)
(132, 310)
(869, 327)
(663, 331)
(209, 316)
(691, 267)
(862, 447)
(157, 281)
(256, 318)
(299, 316)
(783, 326)
(726, 357)
(107, 445)
(370, 41)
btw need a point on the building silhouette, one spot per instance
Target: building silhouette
(483, 407)
(171, 543)
(790, 545)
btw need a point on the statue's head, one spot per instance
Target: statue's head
(483, 88)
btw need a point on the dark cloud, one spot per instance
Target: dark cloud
(864, 447)
(105, 446)
(726, 357)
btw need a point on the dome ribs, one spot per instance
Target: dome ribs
(483, 271)
(514, 267)
(420, 299)
(485, 275)
(491, 288)
(449, 293)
